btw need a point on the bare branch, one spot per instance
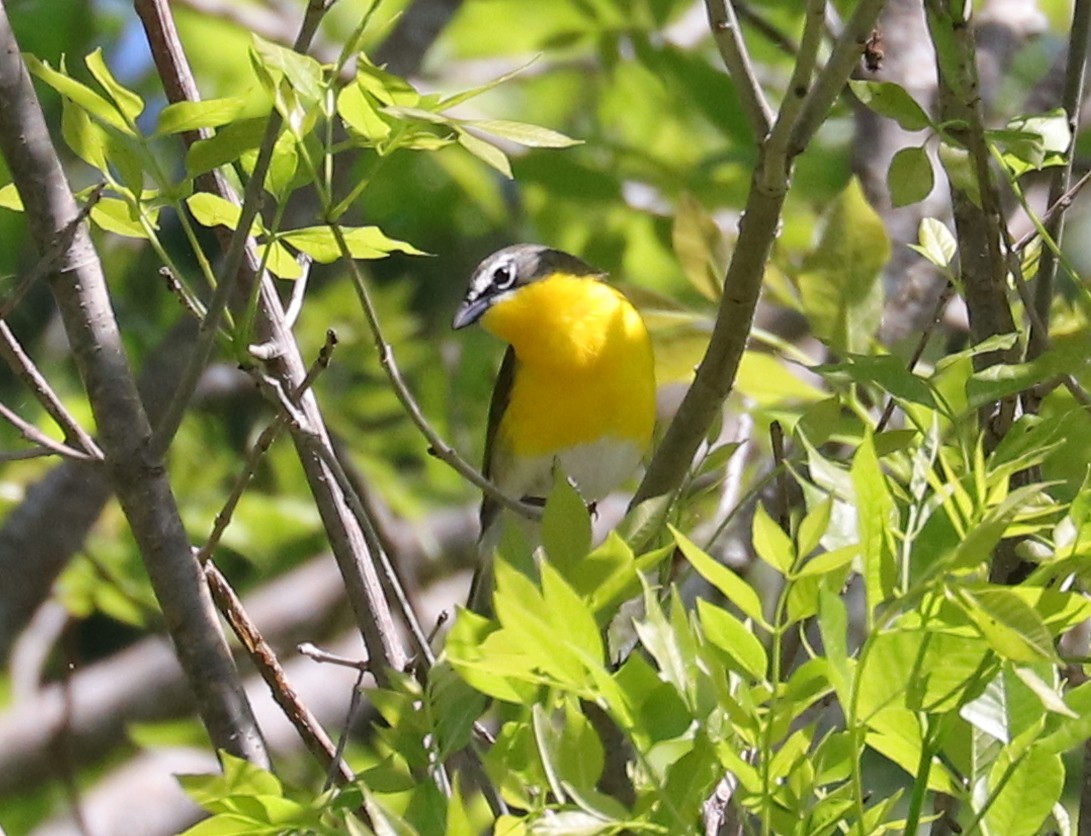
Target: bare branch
(742, 285)
(347, 538)
(52, 257)
(831, 80)
(729, 40)
(260, 448)
(264, 659)
(982, 263)
(140, 480)
(23, 366)
(233, 260)
(1061, 183)
(35, 436)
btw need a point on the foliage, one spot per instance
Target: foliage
(864, 665)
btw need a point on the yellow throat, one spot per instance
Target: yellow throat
(584, 369)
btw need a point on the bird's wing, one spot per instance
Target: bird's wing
(501, 395)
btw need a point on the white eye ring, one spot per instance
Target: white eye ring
(503, 277)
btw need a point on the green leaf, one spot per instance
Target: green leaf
(1069, 355)
(128, 156)
(1031, 143)
(474, 92)
(191, 116)
(366, 242)
(876, 518)
(664, 644)
(566, 525)
(891, 100)
(489, 661)
(355, 107)
(1028, 794)
(842, 297)
(128, 102)
(571, 618)
(485, 152)
(936, 243)
(212, 210)
(239, 777)
(386, 87)
(303, 73)
(453, 707)
(283, 166)
(886, 370)
(83, 135)
(734, 588)
(113, 215)
(833, 625)
(700, 247)
(896, 734)
(910, 178)
(228, 145)
(80, 94)
(10, 199)
(1009, 625)
(522, 133)
(737, 641)
(1005, 709)
(1068, 733)
(771, 543)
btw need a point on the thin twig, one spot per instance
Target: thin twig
(35, 436)
(729, 41)
(23, 366)
(1061, 205)
(260, 448)
(776, 439)
(757, 230)
(348, 542)
(831, 80)
(367, 526)
(226, 280)
(52, 257)
(1071, 100)
(767, 30)
(312, 651)
(261, 654)
(437, 446)
(268, 350)
(1067, 380)
(187, 300)
(918, 351)
(350, 718)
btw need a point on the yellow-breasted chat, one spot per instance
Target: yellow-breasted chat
(576, 388)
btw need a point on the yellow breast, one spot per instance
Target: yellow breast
(585, 368)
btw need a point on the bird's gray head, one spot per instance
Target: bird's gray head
(506, 270)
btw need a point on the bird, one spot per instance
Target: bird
(575, 390)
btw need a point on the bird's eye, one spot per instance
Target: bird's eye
(503, 277)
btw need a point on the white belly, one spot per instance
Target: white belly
(596, 468)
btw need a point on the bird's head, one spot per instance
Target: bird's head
(503, 273)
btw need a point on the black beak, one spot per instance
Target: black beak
(469, 312)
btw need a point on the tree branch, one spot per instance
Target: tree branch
(757, 231)
(729, 40)
(1061, 182)
(140, 481)
(347, 539)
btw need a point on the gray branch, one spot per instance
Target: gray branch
(141, 484)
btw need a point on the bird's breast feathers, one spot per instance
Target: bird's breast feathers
(584, 373)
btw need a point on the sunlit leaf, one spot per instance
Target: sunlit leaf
(839, 283)
(889, 99)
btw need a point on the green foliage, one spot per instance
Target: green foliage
(862, 665)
